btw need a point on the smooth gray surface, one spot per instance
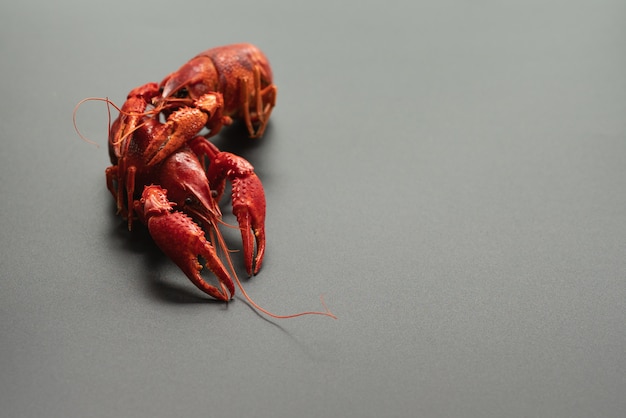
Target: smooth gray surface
(451, 175)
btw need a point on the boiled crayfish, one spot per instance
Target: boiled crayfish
(171, 178)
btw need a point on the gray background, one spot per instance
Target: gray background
(451, 175)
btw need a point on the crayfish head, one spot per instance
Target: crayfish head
(193, 80)
(187, 185)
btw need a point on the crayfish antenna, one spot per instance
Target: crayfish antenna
(109, 102)
(89, 99)
(222, 243)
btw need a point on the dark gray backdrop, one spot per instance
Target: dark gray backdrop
(451, 175)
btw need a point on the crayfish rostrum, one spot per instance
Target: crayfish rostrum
(168, 175)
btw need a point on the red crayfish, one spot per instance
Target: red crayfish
(171, 178)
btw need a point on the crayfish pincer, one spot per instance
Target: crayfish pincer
(182, 240)
(168, 176)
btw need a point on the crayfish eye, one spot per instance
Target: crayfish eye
(189, 201)
(182, 93)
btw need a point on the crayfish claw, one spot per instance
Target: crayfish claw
(248, 197)
(249, 209)
(183, 241)
(181, 126)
